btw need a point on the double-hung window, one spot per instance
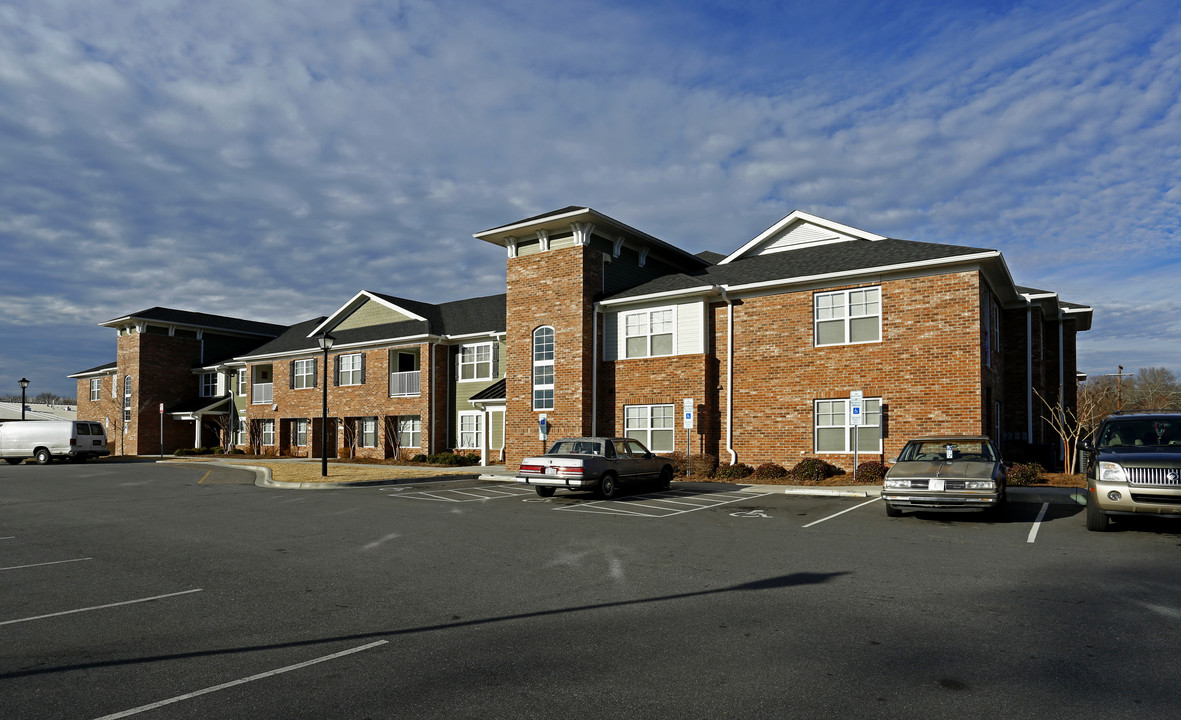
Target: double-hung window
(299, 433)
(303, 374)
(475, 362)
(471, 430)
(208, 384)
(834, 432)
(368, 431)
(543, 368)
(241, 439)
(845, 317)
(350, 369)
(410, 431)
(651, 425)
(243, 383)
(648, 333)
(96, 385)
(268, 432)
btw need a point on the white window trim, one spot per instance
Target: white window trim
(846, 427)
(847, 318)
(623, 317)
(479, 431)
(491, 361)
(308, 378)
(362, 424)
(209, 389)
(415, 430)
(542, 364)
(126, 401)
(357, 369)
(243, 383)
(649, 428)
(96, 389)
(267, 427)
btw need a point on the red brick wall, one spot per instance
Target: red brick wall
(553, 288)
(926, 369)
(370, 399)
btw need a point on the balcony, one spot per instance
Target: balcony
(262, 393)
(405, 384)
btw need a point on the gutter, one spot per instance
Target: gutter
(729, 375)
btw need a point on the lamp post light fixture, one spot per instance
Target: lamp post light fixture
(325, 342)
(24, 383)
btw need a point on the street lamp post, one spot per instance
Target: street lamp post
(325, 342)
(24, 383)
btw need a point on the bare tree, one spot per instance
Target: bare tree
(1154, 389)
(393, 438)
(349, 436)
(1072, 425)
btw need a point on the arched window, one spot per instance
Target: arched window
(543, 368)
(126, 400)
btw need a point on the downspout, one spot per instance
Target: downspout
(729, 376)
(1028, 371)
(1062, 379)
(595, 369)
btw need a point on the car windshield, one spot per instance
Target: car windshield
(950, 449)
(1143, 432)
(576, 447)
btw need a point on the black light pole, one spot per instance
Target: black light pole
(24, 383)
(325, 341)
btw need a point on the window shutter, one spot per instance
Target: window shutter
(362, 368)
(315, 373)
(291, 376)
(336, 371)
(496, 360)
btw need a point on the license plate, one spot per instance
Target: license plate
(937, 485)
(551, 470)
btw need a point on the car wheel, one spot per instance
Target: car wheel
(544, 491)
(607, 486)
(42, 456)
(665, 481)
(1097, 520)
(14, 461)
(892, 511)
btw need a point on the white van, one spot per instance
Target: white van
(44, 440)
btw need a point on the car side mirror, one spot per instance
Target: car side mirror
(893, 461)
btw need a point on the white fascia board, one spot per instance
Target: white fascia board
(880, 270)
(529, 223)
(491, 334)
(389, 342)
(668, 294)
(804, 217)
(353, 303)
(92, 374)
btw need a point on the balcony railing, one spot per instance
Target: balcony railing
(403, 384)
(262, 394)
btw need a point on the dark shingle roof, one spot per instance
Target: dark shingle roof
(805, 262)
(98, 368)
(496, 391)
(203, 320)
(295, 339)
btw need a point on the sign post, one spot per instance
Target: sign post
(688, 425)
(542, 430)
(855, 417)
(162, 429)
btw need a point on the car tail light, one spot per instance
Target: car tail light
(73, 441)
(571, 469)
(532, 469)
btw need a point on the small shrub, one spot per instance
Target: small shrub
(769, 471)
(699, 465)
(813, 471)
(236, 451)
(871, 472)
(182, 452)
(738, 471)
(1025, 473)
(419, 458)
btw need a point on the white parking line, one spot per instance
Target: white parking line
(99, 607)
(232, 683)
(1037, 523)
(658, 506)
(477, 494)
(54, 562)
(830, 517)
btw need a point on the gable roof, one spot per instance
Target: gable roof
(797, 230)
(825, 261)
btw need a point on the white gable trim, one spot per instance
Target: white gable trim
(842, 231)
(357, 301)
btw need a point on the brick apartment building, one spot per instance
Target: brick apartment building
(604, 329)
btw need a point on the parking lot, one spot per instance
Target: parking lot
(139, 590)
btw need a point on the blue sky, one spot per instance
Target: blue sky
(268, 160)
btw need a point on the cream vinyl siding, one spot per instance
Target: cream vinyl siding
(688, 329)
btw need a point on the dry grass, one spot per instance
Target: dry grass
(309, 472)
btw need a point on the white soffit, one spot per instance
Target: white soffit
(798, 230)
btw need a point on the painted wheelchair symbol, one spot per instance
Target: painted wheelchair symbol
(750, 514)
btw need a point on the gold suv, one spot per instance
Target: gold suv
(1134, 467)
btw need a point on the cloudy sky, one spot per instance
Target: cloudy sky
(270, 159)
